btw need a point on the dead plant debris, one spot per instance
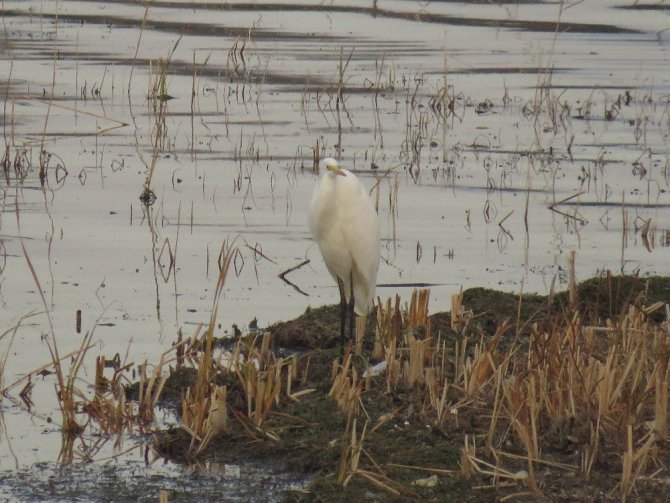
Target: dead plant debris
(511, 398)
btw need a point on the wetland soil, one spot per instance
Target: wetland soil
(308, 435)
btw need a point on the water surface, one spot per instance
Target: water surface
(500, 137)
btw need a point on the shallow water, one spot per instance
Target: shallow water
(133, 481)
(550, 136)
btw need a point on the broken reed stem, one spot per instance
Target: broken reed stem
(393, 205)
(158, 99)
(260, 376)
(572, 281)
(347, 387)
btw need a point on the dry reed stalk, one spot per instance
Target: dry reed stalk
(188, 350)
(377, 190)
(113, 416)
(607, 381)
(108, 408)
(157, 110)
(383, 419)
(197, 402)
(101, 382)
(179, 349)
(347, 387)
(316, 157)
(523, 402)
(437, 389)
(624, 228)
(459, 316)
(393, 205)
(349, 465)
(383, 329)
(644, 234)
(218, 410)
(379, 480)
(350, 456)
(497, 403)
(478, 370)
(414, 366)
(65, 387)
(460, 360)
(388, 328)
(66, 454)
(261, 387)
(611, 379)
(361, 322)
(291, 374)
(393, 366)
(259, 376)
(420, 351)
(417, 311)
(471, 465)
(265, 354)
(68, 395)
(437, 471)
(150, 391)
(467, 466)
(633, 462)
(662, 384)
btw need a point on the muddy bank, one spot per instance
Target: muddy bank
(396, 444)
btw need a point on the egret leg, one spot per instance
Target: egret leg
(350, 308)
(343, 316)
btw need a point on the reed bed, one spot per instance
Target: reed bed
(509, 413)
(563, 396)
(598, 392)
(440, 406)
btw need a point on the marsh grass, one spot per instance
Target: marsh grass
(197, 403)
(250, 372)
(157, 103)
(105, 413)
(575, 394)
(597, 389)
(97, 410)
(610, 383)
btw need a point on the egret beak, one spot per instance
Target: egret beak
(333, 166)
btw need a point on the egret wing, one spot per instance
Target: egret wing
(360, 231)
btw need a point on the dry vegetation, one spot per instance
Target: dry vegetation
(559, 398)
(552, 405)
(508, 397)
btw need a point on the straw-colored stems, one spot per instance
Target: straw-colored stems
(437, 393)
(414, 367)
(661, 401)
(150, 390)
(346, 388)
(218, 409)
(633, 462)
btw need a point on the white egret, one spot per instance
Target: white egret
(343, 221)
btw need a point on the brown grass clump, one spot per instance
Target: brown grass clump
(245, 382)
(202, 413)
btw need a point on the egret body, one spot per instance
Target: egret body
(344, 224)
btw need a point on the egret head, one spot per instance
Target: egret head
(333, 166)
